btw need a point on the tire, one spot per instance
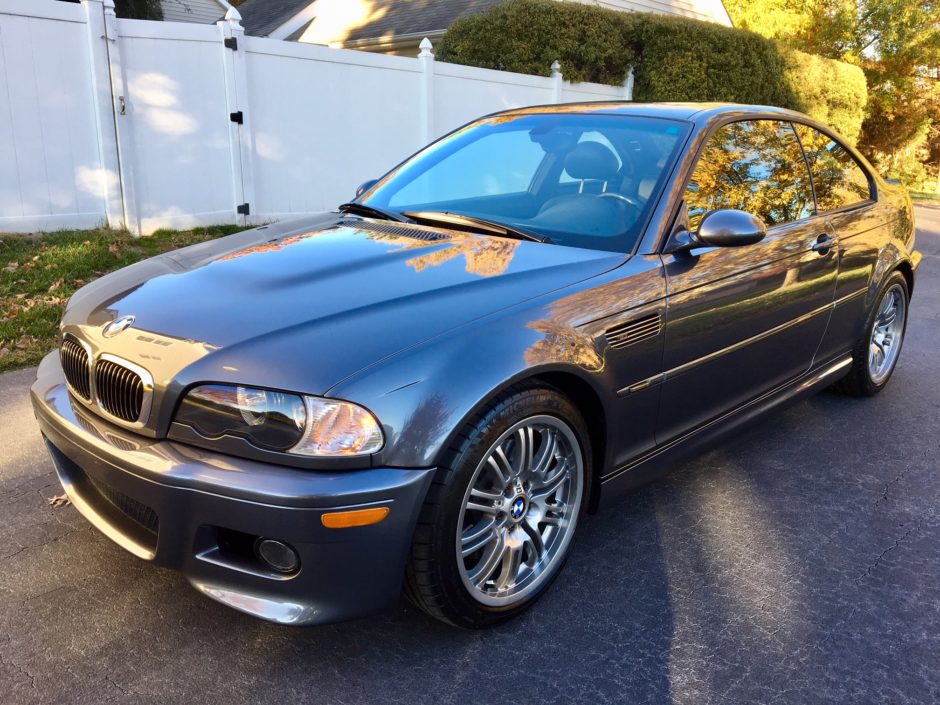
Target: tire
(863, 379)
(516, 529)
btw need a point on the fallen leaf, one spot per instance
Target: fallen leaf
(56, 284)
(35, 258)
(114, 249)
(79, 282)
(86, 243)
(59, 501)
(4, 352)
(11, 267)
(49, 266)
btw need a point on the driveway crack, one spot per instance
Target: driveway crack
(21, 669)
(897, 542)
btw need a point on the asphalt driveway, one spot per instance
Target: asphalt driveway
(799, 563)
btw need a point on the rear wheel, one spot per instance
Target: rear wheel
(876, 353)
(500, 517)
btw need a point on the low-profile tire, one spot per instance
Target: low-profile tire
(498, 522)
(877, 351)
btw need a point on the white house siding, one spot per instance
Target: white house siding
(201, 11)
(712, 10)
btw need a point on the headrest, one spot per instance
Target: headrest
(591, 160)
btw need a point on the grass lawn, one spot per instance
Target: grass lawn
(38, 274)
(925, 199)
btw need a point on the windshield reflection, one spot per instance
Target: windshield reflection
(577, 179)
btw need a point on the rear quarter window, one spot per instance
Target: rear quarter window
(839, 180)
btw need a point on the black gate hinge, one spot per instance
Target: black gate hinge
(237, 117)
(231, 43)
(243, 209)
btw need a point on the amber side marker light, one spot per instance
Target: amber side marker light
(354, 517)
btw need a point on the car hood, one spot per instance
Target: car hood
(302, 307)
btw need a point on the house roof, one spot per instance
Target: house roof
(261, 17)
(388, 19)
(391, 17)
(416, 17)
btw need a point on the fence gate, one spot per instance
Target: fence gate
(150, 125)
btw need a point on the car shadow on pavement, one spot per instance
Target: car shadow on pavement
(611, 603)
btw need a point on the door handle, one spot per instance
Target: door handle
(824, 243)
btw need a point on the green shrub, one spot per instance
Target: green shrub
(682, 59)
(139, 9)
(833, 92)
(674, 58)
(526, 36)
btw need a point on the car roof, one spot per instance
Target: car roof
(691, 112)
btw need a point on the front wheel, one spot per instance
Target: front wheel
(876, 353)
(499, 520)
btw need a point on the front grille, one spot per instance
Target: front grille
(75, 365)
(130, 507)
(633, 332)
(120, 391)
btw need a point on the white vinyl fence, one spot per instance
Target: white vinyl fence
(147, 125)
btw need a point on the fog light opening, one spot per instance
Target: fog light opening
(277, 555)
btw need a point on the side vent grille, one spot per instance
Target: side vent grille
(633, 332)
(395, 229)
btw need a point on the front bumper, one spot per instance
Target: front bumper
(197, 512)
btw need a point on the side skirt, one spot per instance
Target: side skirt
(659, 461)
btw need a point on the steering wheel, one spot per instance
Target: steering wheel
(627, 199)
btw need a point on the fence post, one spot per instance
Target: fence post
(122, 109)
(426, 57)
(557, 79)
(108, 157)
(237, 116)
(628, 85)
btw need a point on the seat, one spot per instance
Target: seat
(604, 214)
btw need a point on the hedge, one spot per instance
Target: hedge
(833, 92)
(674, 58)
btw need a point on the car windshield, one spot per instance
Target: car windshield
(581, 180)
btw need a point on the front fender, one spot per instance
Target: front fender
(424, 396)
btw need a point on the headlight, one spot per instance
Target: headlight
(280, 421)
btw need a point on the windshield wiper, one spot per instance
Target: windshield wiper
(373, 212)
(487, 226)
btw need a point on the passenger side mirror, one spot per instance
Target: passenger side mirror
(724, 228)
(365, 186)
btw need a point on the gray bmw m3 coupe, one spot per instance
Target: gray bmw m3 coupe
(432, 387)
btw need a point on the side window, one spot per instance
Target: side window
(838, 178)
(755, 166)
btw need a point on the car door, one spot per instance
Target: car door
(741, 321)
(844, 198)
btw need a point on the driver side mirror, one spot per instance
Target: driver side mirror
(723, 228)
(365, 186)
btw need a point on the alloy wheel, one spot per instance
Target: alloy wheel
(887, 333)
(520, 511)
